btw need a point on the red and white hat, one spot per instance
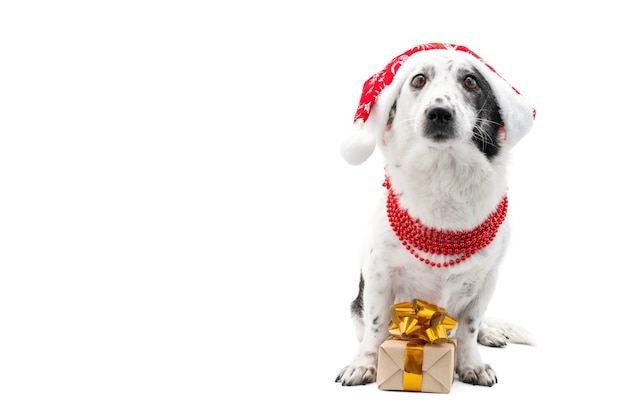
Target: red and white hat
(381, 90)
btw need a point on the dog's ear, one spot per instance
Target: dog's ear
(390, 118)
(379, 96)
(517, 114)
(392, 115)
(501, 134)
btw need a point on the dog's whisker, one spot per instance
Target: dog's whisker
(408, 126)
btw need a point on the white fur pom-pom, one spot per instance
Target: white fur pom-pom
(358, 146)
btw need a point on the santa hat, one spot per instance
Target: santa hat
(381, 90)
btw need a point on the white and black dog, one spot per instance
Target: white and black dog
(444, 121)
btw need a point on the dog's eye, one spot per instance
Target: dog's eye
(470, 82)
(418, 81)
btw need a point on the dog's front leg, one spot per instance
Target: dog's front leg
(470, 367)
(376, 299)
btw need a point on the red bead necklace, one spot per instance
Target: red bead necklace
(417, 237)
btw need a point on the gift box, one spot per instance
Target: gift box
(436, 373)
(418, 356)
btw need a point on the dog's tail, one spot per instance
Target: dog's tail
(497, 333)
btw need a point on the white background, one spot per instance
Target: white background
(179, 235)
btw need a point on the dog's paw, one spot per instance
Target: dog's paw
(493, 337)
(355, 374)
(498, 333)
(478, 375)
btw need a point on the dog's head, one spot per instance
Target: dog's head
(443, 96)
(444, 102)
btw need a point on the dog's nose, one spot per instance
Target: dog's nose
(439, 115)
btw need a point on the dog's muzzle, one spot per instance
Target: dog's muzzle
(439, 123)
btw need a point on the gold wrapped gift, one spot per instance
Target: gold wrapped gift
(418, 356)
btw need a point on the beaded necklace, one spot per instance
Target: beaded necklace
(427, 240)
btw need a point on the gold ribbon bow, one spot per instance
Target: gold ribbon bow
(420, 323)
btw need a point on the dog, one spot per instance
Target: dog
(444, 122)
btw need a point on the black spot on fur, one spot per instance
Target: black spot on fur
(489, 118)
(357, 304)
(468, 288)
(470, 325)
(392, 114)
(375, 324)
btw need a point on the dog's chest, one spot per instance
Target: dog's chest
(411, 278)
(442, 287)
